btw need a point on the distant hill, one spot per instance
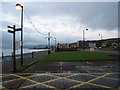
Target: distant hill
(40, 46)
(35, 46)
(111, 39)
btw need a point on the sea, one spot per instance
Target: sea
(8, 52)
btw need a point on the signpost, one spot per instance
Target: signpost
(13, 32)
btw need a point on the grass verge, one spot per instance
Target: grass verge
(25, 66)
(78, 55)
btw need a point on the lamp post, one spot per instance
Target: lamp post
(55, 43)
(49, 51)
(19, 6)
(100, 36)
(100, 45)
(84, 39)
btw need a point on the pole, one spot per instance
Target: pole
(55, 43)
(101, 36)
(49, 42)
(2, 55)
(22, 36)
(13, 53)
(14, 62)
(83, 40)
(32, 54)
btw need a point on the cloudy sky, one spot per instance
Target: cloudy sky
(64, 20)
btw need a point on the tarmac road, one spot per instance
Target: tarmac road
(73, 75)
(77, 66)
(65, 76)
(109, 52)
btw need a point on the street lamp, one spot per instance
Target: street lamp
(20, 7)
(55, 42)
(48, 42)
(84, 38)
(100, 36)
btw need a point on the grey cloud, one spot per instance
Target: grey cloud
(6, 40)
(102, 15)
(97, 15)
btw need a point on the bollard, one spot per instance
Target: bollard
(49, 52)
(32, 55)
(2, 55)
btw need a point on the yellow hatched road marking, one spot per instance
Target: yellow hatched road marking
(6, 75)
(29, 86)
(75, 86)
(63, 77)
(12, 80)
(33, 81)
(105, 77)
(58, 78)
(42, 82)
(21, 78)
(66, 77)
(100, 85)
(52, 80)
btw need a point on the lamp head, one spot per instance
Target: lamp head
(19, 6)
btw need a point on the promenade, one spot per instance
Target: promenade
(7, 62)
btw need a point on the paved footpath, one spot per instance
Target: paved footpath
(7, 62)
